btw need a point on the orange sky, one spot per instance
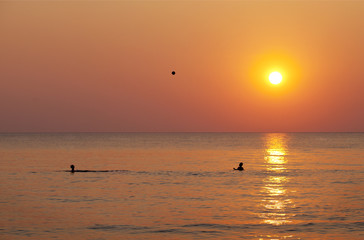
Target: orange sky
(106, 66)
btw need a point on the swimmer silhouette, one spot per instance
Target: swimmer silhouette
(73, 170)
(240, 168)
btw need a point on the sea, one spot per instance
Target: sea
(182, 186)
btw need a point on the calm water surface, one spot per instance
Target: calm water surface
(182, 186)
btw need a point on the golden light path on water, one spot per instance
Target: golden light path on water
(275, 201)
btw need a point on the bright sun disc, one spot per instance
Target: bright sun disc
(275, 77)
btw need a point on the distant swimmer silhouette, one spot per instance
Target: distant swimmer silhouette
(240, 168)
(73, 170)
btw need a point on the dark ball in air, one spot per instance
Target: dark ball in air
(173, 72)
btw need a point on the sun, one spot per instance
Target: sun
(275, 78)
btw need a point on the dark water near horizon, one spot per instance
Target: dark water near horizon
(182, 186)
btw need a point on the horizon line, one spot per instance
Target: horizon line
(143, 132)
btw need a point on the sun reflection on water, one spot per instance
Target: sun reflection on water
(275, 200)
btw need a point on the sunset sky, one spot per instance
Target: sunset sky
(91, 66)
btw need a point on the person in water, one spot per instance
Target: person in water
(240, 168)
(72, 168)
